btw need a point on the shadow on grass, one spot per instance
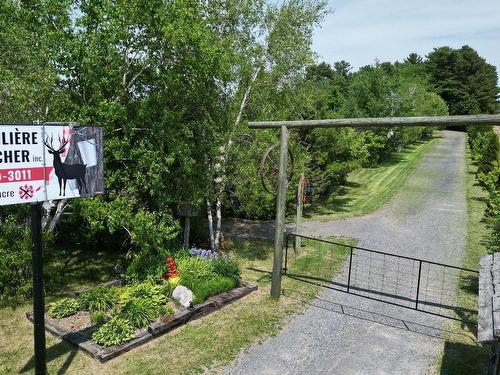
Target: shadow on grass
(55, 351)
(251, 249)
(266, 277)
(480, 199)
(464, 359)
(467, 317)
(76, 266)
(435, 329)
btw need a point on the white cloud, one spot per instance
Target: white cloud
(359, 31)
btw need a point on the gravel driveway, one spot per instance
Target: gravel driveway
(346, 334)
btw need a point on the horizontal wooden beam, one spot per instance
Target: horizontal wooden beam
(481, 120)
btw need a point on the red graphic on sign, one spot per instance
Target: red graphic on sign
(26, 192)
(24, 174)
(67, 135)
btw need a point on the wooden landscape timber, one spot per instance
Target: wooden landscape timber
(82, 339)
(488, 328)
(376, 122)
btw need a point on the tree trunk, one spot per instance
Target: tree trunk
(219, 224)
(221, 170)
(210, 225)
(51, 223)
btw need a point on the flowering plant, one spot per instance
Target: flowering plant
(206, 254)
(172, 272)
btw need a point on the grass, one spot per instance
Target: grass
(202, 345)
(464, 355)
(367, 189)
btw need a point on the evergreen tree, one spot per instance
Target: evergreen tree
(463, 79)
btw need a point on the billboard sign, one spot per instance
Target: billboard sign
(49, 161)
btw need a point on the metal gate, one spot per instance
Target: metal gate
(412, 283)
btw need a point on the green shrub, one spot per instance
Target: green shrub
(212, 287)
(97, 317)
(118, 330)
(150, 266)
(194, 270)
(227, 267)
(63, 308)
(151, 292)
(100, 298)
(15, 261)
(145, 267)
(139, 312)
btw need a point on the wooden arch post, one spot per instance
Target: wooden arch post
(360, 123)
(279, 229)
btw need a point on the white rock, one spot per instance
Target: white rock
(183, 295)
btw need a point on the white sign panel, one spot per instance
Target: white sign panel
(46, 162)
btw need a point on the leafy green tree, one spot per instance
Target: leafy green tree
(463, 79)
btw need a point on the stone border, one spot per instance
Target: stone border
(153, 330)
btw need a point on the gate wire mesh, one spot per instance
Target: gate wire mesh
(403, 281)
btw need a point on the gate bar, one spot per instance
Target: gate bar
(319, 239)
(379, 122)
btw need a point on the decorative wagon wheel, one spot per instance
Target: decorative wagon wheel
(269, 168)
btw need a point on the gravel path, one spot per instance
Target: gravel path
(346, 334)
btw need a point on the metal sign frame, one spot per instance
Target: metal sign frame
(26, 153)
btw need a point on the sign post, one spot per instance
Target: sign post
(38, 296)
(42, 162)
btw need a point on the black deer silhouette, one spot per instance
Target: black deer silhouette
(65, 171)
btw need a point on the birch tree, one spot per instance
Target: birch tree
(271, 54)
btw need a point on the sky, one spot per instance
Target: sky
(360, 31)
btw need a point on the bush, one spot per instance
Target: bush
(145, 267)
(212, 287)
(64, 308)
(150, 266)
(194, 270)
(227, 267)
(100, 298)
(139, 312)
(114, 332)
(15, 261)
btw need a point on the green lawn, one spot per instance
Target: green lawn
(207, 343)
(369, 188)
(463, 355)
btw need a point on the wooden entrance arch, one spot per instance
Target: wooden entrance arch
(361, 123)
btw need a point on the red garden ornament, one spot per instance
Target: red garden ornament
(171, 270)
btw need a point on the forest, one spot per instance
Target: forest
(173, 85)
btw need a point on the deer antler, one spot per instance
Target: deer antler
(63, 143)
(50, 147)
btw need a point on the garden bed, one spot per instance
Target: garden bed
(78, 328)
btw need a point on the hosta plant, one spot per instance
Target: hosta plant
(115, 332)
(148, 291)
(64, 308)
